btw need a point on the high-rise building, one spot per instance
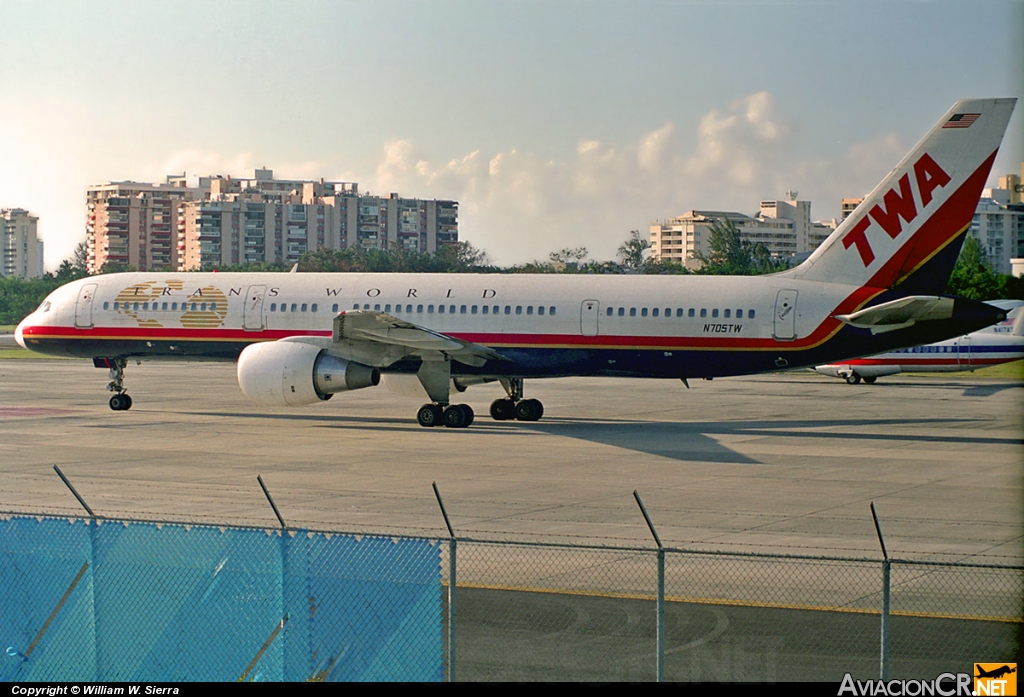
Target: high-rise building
(22, 248)
(784, 228)
(222, 221)
(136, 224)
(998, 225)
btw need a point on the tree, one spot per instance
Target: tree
(633, 252)
(569, 260)
(971, 277)
(730, 254)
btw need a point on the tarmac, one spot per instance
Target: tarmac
(777, 463)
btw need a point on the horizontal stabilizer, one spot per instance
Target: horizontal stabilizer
(381, 328)
(899, 314)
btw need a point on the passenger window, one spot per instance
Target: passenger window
(703, 312)
(334, 307)
(294, 306)
(714, 313)
(451, 309)
(387, 308)
(668, 312)
(540, 309)
(486, 308)
(691, 313)
(519, 309)
(529, 309)
(313, 308)
(136, 306)
(430, 309)
(632, 312)
(303, 307)
(105, 306)
(654, 312)
(494, 310)
(419, 308)
(440, 309)
(750, 314)
(508, 309)
(408, 308)
(174, 306)
(213, 306)
(643, 312)
(354, 307)
(609, 311)
(551, 310)
(473, 310)
(462, 310)
(739, 314)
(375, 307)
(727, 314)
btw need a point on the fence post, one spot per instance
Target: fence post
(660, 604)
(886, 568)
(452, 556)
(93, 530)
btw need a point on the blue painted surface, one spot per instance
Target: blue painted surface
(173, 602)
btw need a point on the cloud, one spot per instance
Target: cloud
(520, 206)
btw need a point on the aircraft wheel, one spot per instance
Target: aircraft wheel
(117, 402)
(853, 379)
(455, 416)
(429, 415)
(470, 416)
(870, 380)
(127, 401)
(529, 410)
(503, 409)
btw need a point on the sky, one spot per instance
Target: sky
(555, 124)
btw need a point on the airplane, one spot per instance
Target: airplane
(995, 672)
(1000, 343)
(874, 285)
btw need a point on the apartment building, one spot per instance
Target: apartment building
(22, 249)
(223, 221)
(785, 229)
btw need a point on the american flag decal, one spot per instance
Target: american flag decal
(961, 121)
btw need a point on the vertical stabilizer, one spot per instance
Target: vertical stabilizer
(908, 231)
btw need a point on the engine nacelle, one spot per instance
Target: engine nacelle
(292, 373)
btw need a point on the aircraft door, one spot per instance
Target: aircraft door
(963, 350)
(589, 310)
(83, 308)
(785, 315)
(253, 318)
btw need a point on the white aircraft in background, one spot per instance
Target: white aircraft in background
(1001, 343)
(874, 285)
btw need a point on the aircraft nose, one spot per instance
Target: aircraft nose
(18, 335)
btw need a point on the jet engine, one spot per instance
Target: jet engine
(292, 373)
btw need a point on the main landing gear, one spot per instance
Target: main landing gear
(854, 379)
(461, 415)
(514, 406)
(121, 401)
(451, 416)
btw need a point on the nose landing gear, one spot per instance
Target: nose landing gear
(120, 401)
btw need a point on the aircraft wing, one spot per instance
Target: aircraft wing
(381, 329)
(901, 313)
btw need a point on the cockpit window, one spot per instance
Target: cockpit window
(45, 307)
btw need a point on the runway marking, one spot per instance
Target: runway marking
(736, 603)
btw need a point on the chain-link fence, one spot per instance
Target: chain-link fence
(105, 600)
(125, 600)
